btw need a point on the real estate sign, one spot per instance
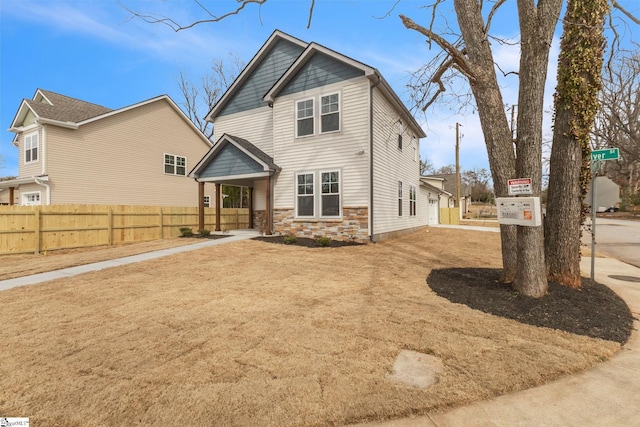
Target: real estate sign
(524, 211)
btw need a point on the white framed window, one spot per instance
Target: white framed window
(305, 197)
(399, 198)
(400, 131)
(175, 165)
(31, 199)
(414, 145)
(31, 147)
(412, 200)
(330, 194)
(330, 113)
(304, 118)
(207, 201)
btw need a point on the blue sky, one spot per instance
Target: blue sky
(94, 51)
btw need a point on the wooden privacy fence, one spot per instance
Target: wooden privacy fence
(450, 216)
(25, 229)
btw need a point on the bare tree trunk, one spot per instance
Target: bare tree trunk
(493, 118)
(575, 103)
(537, 25)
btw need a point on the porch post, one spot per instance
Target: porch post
(267, 226)
(11, 196)
(250, 207)
(200, 205)
(218, 202)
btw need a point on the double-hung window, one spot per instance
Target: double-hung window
(305, 195)
(175, 165)
(400, 131)
(31, 148)
(399, 198)
(330, 113)
(330, 199)
(412, 201)
(304, 118)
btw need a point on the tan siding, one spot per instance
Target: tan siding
(391, 165)
(337, 150)
(32, 168)
(120, 159)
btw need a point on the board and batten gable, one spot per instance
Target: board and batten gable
(119, 159)
(268, 71)
(230, 161)
(392, 165)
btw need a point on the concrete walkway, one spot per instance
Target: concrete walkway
(605, 395)
(233, 236)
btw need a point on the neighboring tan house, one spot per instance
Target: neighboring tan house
(322, 141)
(445, 200)
(75, 152)
(449, 185)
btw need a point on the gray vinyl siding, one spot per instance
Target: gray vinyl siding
(250, 95)
(231, 161)
(320, 70)
(391, 165)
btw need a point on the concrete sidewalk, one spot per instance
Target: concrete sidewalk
(233, 236)
(605, 395)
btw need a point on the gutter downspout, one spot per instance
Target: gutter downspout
(371, 88)
(43, 152)
(40, 181)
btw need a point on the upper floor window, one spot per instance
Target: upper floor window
(330, 113)
(400, 131)
(31, 148)
(414, 145)
(304, 118)
(175, 165)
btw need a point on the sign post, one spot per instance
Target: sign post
(596, 157)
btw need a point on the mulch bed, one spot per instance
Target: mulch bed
(306, 242)
(593, 310)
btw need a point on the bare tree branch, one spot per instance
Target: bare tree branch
(169, 22)
(628, 14)
(494, 9)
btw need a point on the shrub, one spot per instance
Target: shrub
(290, 239)
(204, 232)
(185, 232)
(323, 241)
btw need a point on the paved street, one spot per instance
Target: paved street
(616, 238)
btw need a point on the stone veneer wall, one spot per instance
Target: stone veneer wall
(354, 225)
(259, 218)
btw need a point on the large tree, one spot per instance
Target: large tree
(472, 56)
(575, 107)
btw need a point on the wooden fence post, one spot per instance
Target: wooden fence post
(161, 219)
(36, 227)
(110, 226)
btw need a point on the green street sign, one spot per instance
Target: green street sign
(606, 154)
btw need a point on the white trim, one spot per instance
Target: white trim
(340, 193)
(24, 196)
(175, 165)
(233, 177)
(29, 136)
(312, 117)
(339, 112)
(295, 192)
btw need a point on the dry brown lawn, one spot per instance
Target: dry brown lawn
(254, 333)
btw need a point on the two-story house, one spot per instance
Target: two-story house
(76, 152)
(324, 144)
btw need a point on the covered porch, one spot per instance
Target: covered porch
(236, 162)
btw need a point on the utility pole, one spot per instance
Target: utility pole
(458, 166)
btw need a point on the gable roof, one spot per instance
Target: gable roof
(60, 110)
(251, 67)
(449, 183)
(310, 49)
(246, 148)
(50, 105)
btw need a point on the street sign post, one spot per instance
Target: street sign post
(596, 157)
